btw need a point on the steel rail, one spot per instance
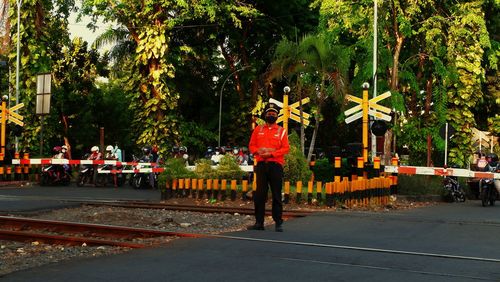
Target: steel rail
(25, 236)
(88, 230)
(193, 208)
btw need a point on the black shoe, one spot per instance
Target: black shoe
(279, 227)
(256, 226)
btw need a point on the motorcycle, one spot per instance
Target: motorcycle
(85, 175)
(142, 180)
(105, 179)
(489, 187)
(452, 187)
(55, 175)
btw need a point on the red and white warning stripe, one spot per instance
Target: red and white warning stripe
(140, 170)
(421, 170)
(76, 162)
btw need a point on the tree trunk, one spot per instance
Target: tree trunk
(387, 147)
(428, 100)
(313, 141)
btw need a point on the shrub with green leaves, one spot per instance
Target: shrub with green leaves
(174, 169)
(296, 167)
(203, 169)
(229, 168)
(323, 170)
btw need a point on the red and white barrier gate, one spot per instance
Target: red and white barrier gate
(421, 170)
(137, 167)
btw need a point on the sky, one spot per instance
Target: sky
(79, 29)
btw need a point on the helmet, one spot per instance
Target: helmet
(57, 149)
(94, 149)
(146, 150)
(109, 148)
(492, 158)
(175, 149)
(64, 147)
(183, 149)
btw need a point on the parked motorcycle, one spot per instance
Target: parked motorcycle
(85, 175)
(488, 192)
(452, 187)
(489, 187)
(55, 175)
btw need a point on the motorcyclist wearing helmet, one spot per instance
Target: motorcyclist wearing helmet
(118, 152)
(175, 152)
(148, 157)
(59, 169)
(492, 159)
(217, 156)
(183, 154)
(110, 155)
(94, 154)
(57, 153)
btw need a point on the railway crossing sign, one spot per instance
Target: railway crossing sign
(374, 109)
(364, 108)
(13, 116)
(293, 113)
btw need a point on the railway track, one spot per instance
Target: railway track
(73, 233)
(192, 208)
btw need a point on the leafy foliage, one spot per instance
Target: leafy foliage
(296, 167)
(229, 168)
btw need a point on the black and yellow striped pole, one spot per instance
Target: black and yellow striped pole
(3, 125)
(286, 199)
(233, 189)
(365, 121)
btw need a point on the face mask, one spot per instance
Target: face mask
(271, 119)
(235, 151)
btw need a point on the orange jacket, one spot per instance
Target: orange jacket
(272, 138)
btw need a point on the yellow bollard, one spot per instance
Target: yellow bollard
(319, 191)
(309, 191)
(223, 188)
(233, 189)
(244, 189)
(286, 200)
(298, 191)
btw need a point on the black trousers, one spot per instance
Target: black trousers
(269, 175)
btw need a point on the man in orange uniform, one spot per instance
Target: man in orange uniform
(269, 145)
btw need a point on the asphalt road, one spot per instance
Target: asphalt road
(445, 242)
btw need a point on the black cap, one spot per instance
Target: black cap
(273, 108)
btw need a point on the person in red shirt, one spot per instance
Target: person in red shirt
(269, 145)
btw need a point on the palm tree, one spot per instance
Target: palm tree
(123, 46)
(318, 70)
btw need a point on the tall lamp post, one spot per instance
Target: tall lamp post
(19, 4)
(220, 97)
(43, 90)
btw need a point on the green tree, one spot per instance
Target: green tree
(151, 25)
(319, 70)
(42, 34)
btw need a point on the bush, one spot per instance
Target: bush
(415, 185)
(323, 170)
(296, 167)
(203, 169)
(174, 169)
(229, 168)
